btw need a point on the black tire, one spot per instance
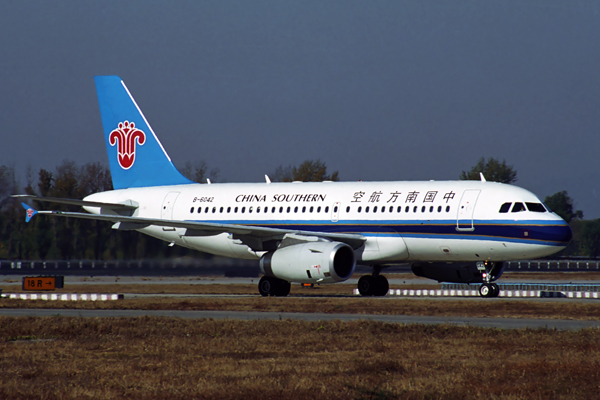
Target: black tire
(382, 285)
(284, 288)
(485, 290)
(269, 286)
(495, 290)
(265, 286)
(366, 285)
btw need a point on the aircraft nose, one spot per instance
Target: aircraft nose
(567, 234)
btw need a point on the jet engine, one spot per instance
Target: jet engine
(310, 262)
(459, 272)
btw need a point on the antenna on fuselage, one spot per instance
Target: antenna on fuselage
(267, 179)
(208, 181)
(482, 177)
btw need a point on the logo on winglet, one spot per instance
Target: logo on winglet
(125, 136)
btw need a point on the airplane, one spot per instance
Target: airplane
(317, 232)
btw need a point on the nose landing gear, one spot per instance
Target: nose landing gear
(487, 289)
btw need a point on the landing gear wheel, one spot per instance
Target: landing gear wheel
(381, 285)
(269, 286)
(265, 286)
(495, 289)
(366, 285)
(485, 290)
(284, 288)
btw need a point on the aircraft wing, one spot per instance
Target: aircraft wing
(251, 235)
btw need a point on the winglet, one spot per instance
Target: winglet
(30, 212)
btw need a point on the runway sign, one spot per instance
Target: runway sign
(43, 282)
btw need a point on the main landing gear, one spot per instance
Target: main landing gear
(373, 285)
(270, 286)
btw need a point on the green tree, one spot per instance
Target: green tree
(562, 205)
(308, 171)
(199, 172)
(590, 238)
(493, 170)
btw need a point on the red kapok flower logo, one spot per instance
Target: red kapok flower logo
(126, 135)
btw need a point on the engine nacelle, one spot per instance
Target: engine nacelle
(457, 272)
(310, 262)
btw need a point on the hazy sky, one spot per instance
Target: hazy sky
(379, 90)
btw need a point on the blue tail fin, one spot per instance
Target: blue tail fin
(136, 156)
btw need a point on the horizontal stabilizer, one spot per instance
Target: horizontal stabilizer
(30, 212)
(129, 205)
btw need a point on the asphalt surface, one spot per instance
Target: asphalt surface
(502, 323)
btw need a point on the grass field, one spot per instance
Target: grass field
(148, 358)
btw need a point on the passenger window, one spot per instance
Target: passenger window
(367, 209)
(319, 209)
(535, 207)
(407, 209)
(518, 207)
(273, 210)
(214, 210)
(199, 210)
(431, 209)
(375, 209)
(335, 209)
(288, 209)
(243, 210)
(399, 208)
(296, 209)
(228, 210)
(304, 209)
(235, 210)
(221, 210)
(280, 210)
(359, 209)
(312, 209)
(415, 209)
(206, 210)
(439, 208)
(192, 210)
(257, 209)
(347, 209)
(447, 208)
(505, 207)
(423, 209)
(327, 209)
(249, 210)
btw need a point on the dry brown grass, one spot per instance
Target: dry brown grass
(114, 358)
(559, 309)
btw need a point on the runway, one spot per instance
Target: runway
(500, 323)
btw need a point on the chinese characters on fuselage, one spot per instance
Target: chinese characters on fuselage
(411, 197)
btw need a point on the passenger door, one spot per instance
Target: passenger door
(466, 208)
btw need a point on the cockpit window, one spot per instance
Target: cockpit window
(518, 207)
(535, 207)
(505, 207)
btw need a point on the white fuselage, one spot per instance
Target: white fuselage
(403, 221)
